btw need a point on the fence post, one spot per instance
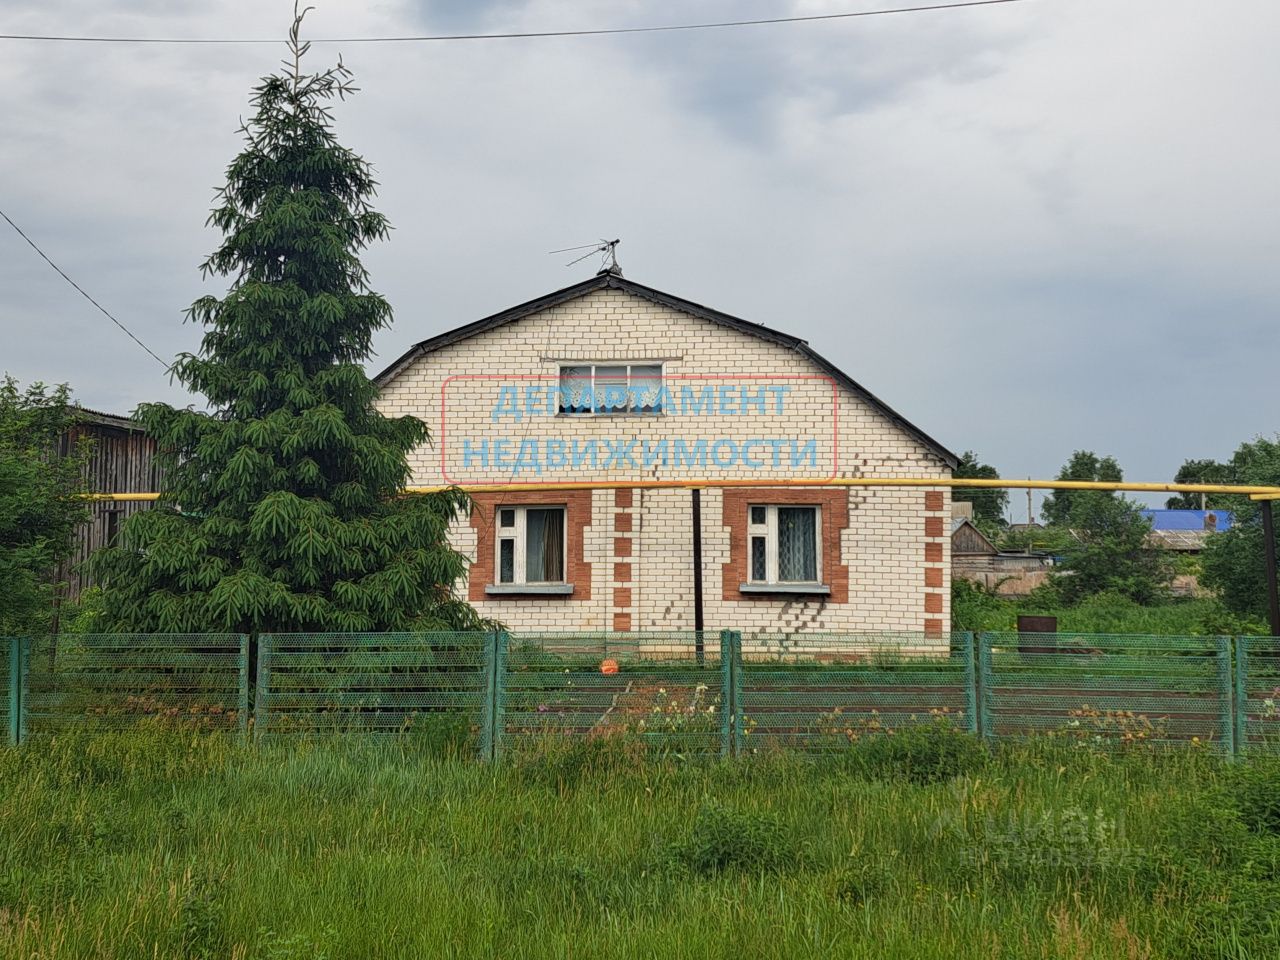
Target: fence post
(242, 703)
(1226, 714)
(261, 710)
(495, 650)
(726, 693)
(500, 691)
(983, 687)
(14, 692)
(1241, 711)
(971, 684)
(739, 718)
(24, 684)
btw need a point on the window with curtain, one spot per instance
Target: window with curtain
(605, 388)
(783, 544)
(531, 545)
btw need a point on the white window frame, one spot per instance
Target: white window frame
(518, 534)
(595, 411)
(769, 530)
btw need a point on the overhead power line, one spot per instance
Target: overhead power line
(530, 35)
(64, 276)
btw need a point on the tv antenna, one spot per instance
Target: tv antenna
(608, 250)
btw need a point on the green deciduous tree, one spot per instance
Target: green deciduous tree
(1234, 560)
(1110, 551)
(280, 509)
(988, 505)
(1203, 471)
(1083, 465)
(40, 505)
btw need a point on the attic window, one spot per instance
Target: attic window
(609, 388)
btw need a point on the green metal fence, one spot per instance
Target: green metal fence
(311, 683)
(666, 690)
(1257, 694)
(1107, 689)
(710, 693)
(824, 691)
(114, 680)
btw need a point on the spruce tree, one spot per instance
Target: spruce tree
(281, 508)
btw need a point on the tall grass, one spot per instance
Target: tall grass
(152, 843)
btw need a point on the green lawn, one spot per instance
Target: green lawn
(157, 844)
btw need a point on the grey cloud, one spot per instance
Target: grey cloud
(1030, 229)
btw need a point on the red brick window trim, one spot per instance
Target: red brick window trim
(484, 520)
(833, 514)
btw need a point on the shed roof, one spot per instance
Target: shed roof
(613, 281)
(1189, 519)
(85, 415)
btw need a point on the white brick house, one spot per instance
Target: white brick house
(672, 408)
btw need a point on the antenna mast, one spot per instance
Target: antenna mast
(608, 249)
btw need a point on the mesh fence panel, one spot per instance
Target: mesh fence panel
(662, 689)
(1107, 689)
(115, 680)
(382, 682)
(1258, 694)
(818, 691)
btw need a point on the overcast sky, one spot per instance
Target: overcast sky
(1030, 228)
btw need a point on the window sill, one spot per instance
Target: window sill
(786, 588)
(529, 589)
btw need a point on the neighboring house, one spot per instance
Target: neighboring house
(974, 557)
(121, 460)
(1186, 531)
(618, 385)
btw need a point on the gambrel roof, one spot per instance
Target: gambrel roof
(614, 281)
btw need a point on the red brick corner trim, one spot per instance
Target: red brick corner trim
(835, 518)
(484, 520)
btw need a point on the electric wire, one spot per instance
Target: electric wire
(530, 35)
(62, 273)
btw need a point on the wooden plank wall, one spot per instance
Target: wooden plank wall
(121, 461)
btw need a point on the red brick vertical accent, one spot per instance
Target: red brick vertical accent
(484, 520)
(835, 518)
(934, 527)
(623, 548)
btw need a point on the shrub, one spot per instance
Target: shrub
(923, 753)
(723, 839)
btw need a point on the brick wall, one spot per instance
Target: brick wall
(637, 547)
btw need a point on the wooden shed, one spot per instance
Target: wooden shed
(121, 460)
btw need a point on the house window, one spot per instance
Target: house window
(603, 388)
(783, 544)
(531, 545)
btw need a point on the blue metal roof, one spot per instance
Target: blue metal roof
(1188, 519)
